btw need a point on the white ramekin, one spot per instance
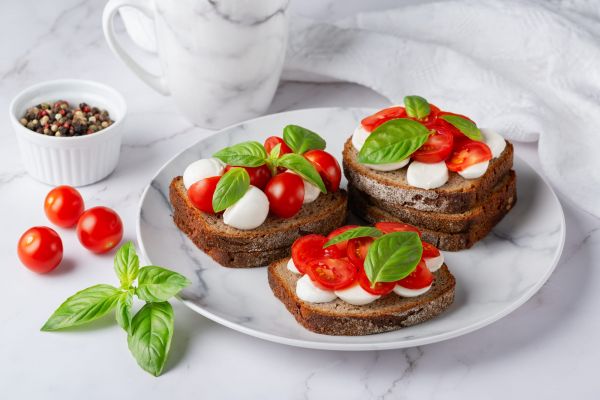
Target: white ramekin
(76, 160)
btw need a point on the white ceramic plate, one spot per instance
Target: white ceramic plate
(496, 276)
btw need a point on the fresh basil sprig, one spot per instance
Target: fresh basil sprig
(245, 154)
(301, 139)
(393, 256)
(150, 331)
(468, 128)
(393, 141)
(359, 231)
(300, 165)
(232, 186)
(416, 107)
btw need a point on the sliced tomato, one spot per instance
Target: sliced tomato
(342, 245)
(430, 251)
(310, 247)
(389, 227)
(466, 153)
(357, 250)
(380, 288)
(331, 273)
(420, 278)
(432, 117)
(437, 147)
(373, 121)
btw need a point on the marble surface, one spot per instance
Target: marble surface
(545, 349)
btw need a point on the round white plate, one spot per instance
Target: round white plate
(493, 278)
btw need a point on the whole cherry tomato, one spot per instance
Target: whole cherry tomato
(99, 229)
(273, 141)
(259, 176)
(63, 206)
(40, 249)
(286, 194)
(327, 166)
(201, 193)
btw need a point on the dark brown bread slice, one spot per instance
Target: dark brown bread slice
(337, 317)
(456, 196)
(501, 197)
(232, 247)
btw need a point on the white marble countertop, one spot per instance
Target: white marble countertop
(544, 349)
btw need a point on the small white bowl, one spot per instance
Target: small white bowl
(75, 160)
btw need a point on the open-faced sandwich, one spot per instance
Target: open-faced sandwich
(363, 280)
(430, 168)
(247, 204)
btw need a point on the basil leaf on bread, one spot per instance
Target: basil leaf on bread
(416, 107)
(245, 154)
(393, 256)
(300, 139)
(232, 186)
(360, 231)
(393, 141)
(300, 165)
(467, 127)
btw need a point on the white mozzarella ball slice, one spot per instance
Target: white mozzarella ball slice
(202, 169)
(307, 291)
(406, 292)
(475, 171)
(292, 267)
(426, 175)
(434, 263)
(495, 142)
(359, 137)
(356, 295)
(249, 212)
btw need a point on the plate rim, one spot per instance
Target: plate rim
(406, 343)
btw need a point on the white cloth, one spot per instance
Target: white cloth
(530, 70)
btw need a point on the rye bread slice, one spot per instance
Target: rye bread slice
(503, 196)
(271, 241)
(456, 196)
(337, 317)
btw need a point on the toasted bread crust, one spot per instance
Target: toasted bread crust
(456, 196)
(231, 247)
(389, 313)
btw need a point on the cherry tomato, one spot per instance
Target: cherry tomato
(467, 153)
(259, 176)
(273, 141)
(310, 247)
(357, 250)
(63, 206)
(430, 251)
(40, 249)
(421, 277)
(286, 194)
(373, 121)
(327, 166)
(332, 273)
(99, 229)
(201, 193)
(437, 147)
(388, 227)
(380, 288)
(342, 245)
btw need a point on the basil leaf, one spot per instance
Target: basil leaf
(416, 107)
(303, 167)
(301, 139)
(393, 256)
(232, 186)
(159, 284)
(245, 154)
(468, 128)
(150, 336)
(393, 141)
(123, 310)
(83, 307)
(127, 264)
(275, 151)
(360, 231)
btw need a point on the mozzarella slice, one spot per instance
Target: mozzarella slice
(356, 295)
(475, 171)
(434, 263)
(292, 267)
(307, 291)
(406, 292)
(202, 169)
(249, 212)
(495, 142)
(389, 166)
(427, 176)
(359, 137)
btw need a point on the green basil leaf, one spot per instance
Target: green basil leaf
(83, 307)
(301, 139)
(232, 186)
(416, 107)
(127, 264)
(159, 284)
(360, 231)
(245, 154)
(393, 256)
(123, 310)
(275, 151)
(149, 338)
(468, 128)
(393, 141)
(300, 165)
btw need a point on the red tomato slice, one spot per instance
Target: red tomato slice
(273, 141)
(437, 147)
(430, 251)
(380, 288)
(467, 153)
(388, 227)
(310, 247)
(373, 121)
(332, 274)
(342, 245)
(432, 117)
(357, 250)
(420, 278)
